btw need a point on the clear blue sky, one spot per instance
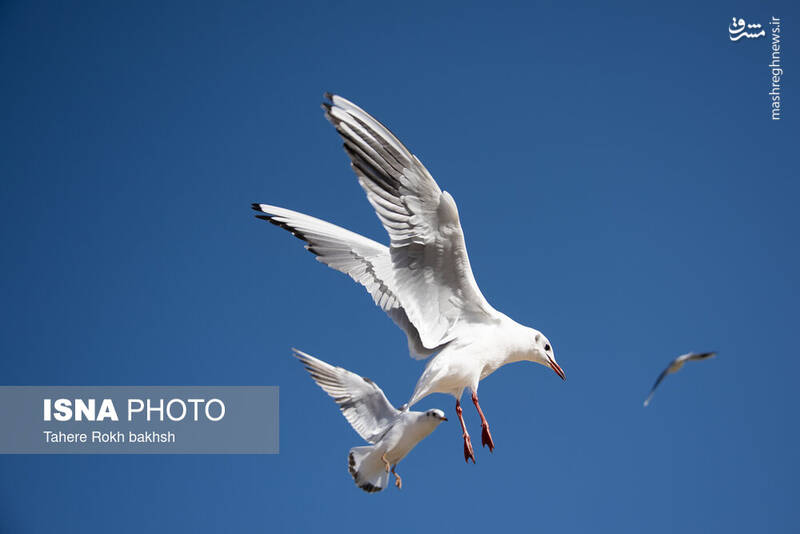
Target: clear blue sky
(621, 187)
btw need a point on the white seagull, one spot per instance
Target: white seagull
(423, 280)
(393, 433)
(675, 366)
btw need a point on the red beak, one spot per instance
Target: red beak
(557, 368)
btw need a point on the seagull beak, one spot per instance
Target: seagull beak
(557, 368)
(444, 418)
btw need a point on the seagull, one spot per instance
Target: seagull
(392, 433)
(423, 279)
(675, 365)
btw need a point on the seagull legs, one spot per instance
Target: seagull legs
(468, 452)
(385, 461)
(397, 480)
(486, 436)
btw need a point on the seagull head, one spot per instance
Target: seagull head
(436, 415)
(543, 353)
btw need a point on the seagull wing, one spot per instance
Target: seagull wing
(664, 373)
(700, 355)
(361, 401)
(432, 277)
(364, 260)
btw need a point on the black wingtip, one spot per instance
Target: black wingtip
(280, 224)
(256, 206)
(327, 95)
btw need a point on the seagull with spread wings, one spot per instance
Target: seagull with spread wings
(423, 279)
(675, 365)
(392, 433)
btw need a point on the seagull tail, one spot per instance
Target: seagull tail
(369, 472)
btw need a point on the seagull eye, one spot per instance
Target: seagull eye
(547, 347)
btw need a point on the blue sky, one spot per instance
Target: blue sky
(621, 187)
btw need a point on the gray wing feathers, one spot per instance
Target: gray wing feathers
(701, 355)
(364, 260)
(361, 401)
(664, 373)
(432, 274)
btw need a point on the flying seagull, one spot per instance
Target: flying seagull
(675, 365)
(423, 280)
(392, 433)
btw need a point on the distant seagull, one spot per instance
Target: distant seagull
(675, 365)
(423, 280)
(393, 433)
